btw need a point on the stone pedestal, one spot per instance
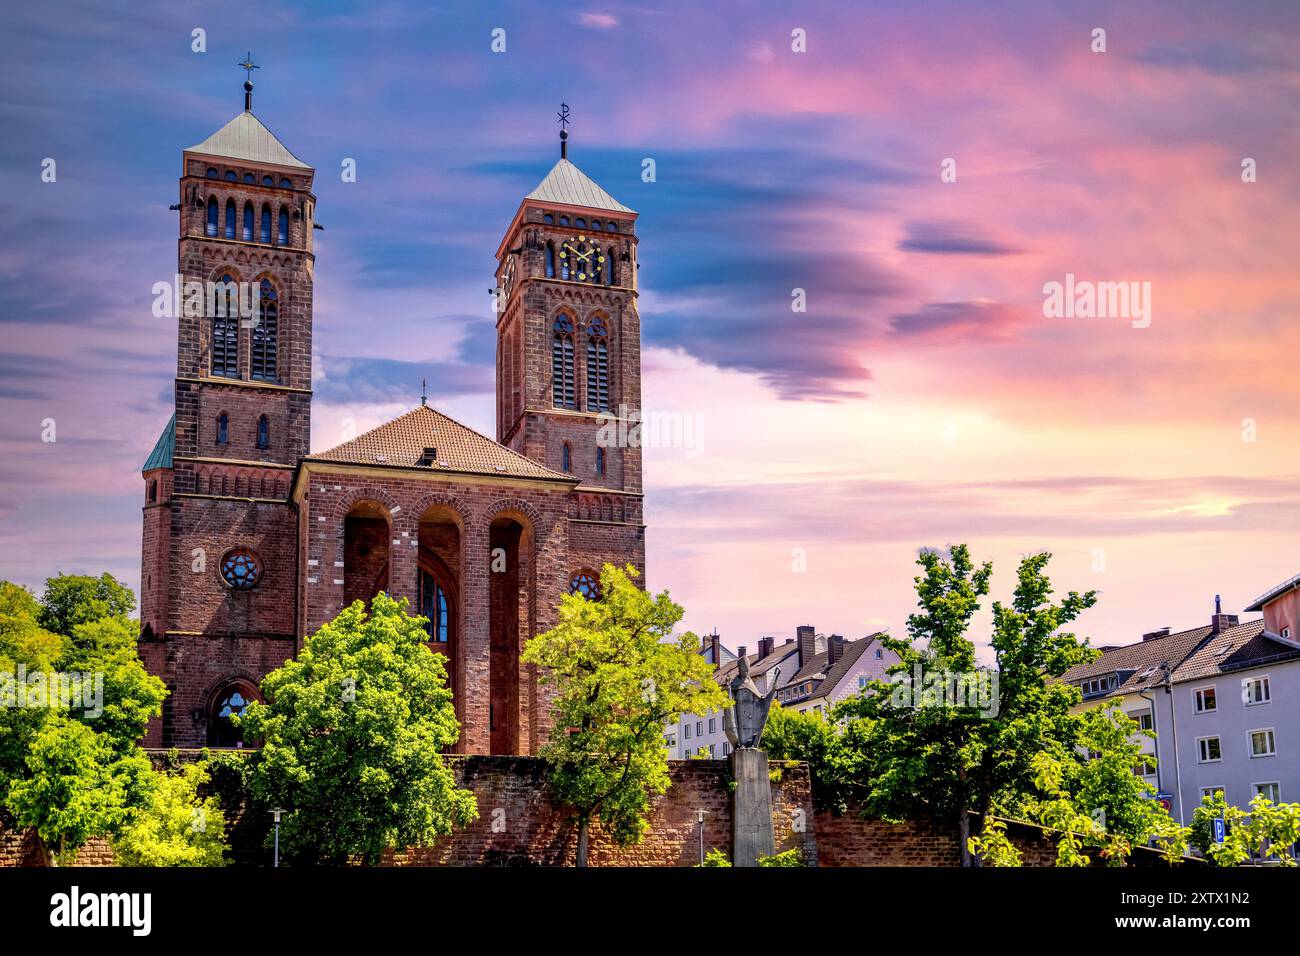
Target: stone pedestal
(751, 808)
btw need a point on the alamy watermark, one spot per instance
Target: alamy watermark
(974, 690)
(1083, 299)
(631, 428)
(197, 300)
(67, 690)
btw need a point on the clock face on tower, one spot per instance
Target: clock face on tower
(508, 280)
(584, 260)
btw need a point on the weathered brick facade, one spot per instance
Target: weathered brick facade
(421, 508)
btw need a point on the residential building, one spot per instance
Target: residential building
(1223, 700)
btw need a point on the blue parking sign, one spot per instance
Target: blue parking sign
(1220, 831)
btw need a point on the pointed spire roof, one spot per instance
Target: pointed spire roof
(402, 443)
(246, 137)
(568, 185)
(163, 449)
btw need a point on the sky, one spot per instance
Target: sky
(920, 170)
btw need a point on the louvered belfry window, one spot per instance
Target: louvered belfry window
(265, 335)
(562, 376)
(597, 366)
(225, 330)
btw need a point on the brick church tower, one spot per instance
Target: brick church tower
(217, 482)
(568, 332)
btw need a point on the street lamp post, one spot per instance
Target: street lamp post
(275, 814)
(699, 815)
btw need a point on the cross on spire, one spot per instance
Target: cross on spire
(248, 66)
(564, 121)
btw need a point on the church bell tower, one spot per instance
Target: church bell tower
(568, 332)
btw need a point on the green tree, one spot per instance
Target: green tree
(810, 737)
(1265, 832)
(175, 826)
(75, 787)
(25, 648)
(131, 695)
(353, 734)
(619, 675)
(961, 757)
(72, 599)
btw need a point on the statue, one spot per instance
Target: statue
(745, 719)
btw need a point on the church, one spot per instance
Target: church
(252, 540)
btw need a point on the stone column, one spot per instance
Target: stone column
(751, 808)
(474, 640)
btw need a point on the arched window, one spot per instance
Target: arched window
(248, 222)
(595, 224)
(212, 172)
(550, 260)
(611, 227)
(286, 184)
(600, 460)
(548, 219)
(249, 178)
(564, 220)
(580, 223)
(230, 218)
(265, 235)
(230, 175)
(597, 366)
(612, 261)
(566, 458)
(265, 335)
(284, 226)
(436, 603)
(230, 701)
(586, 583)
(225, 330)
(223, 428)
(268, 180)
(263, 432)
(153, 490)
(213, 212)
(562, 384)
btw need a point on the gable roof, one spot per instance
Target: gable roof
(1274, 592)
(828, 680)
(568, 185)
(246, 137)
(1191, 655)
(164, 448)
(402, 441)
(1234, 649)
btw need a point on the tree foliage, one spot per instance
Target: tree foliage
(618, 675)
(353, 733)
(1265, 832)
(76, 786)
(175, 826)
(73, 599)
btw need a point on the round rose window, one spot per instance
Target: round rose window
(587, 584)
(241, 568)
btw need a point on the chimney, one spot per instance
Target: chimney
(834, 649)
(789, 640)
(1152, 635)
(806, 635)
(741, 651)
(1220, 622)
(715, 645)
(765, 646)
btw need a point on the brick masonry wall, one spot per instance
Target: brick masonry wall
(520, 825)
(851, 840)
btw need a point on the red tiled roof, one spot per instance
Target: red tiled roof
(402, 441)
